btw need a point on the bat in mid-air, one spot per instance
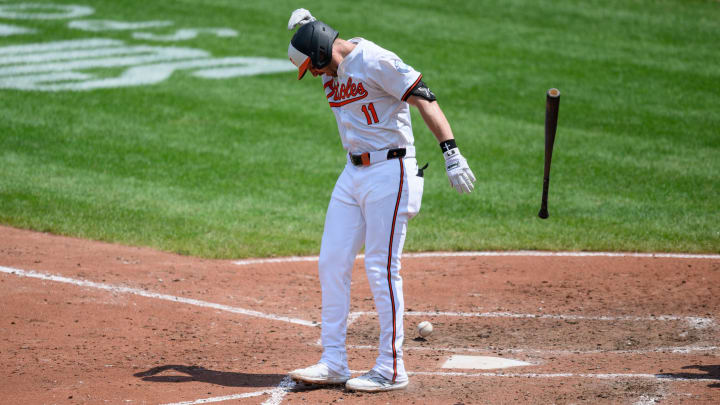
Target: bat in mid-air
(552, 106)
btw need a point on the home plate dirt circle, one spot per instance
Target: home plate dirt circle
(91, 322)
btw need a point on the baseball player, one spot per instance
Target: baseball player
(369, 90)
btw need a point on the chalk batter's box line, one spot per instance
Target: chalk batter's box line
(285, 386)
(697, 322)
(693, 321)
(599, 376)
(276, 395)
(544, 352)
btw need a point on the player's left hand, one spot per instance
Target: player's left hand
(458, 171)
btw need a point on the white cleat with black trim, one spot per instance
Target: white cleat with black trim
(374, 382)
(318, 374)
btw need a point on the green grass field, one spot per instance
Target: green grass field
(244, 166)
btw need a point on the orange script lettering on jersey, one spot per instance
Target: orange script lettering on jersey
(345, 93)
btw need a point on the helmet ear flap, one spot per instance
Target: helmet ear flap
(322, 56)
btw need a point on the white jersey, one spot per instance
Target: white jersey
(368, 98)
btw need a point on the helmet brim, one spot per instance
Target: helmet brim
(302, 69)
(298, 59)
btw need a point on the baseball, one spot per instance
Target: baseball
(424, 329)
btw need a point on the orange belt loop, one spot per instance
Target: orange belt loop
(365, 159)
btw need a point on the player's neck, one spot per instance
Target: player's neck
(341, 49)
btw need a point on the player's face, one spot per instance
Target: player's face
(327, 70)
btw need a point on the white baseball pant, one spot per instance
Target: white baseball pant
(370, 205)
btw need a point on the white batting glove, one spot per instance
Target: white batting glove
(458, 171)
(300, 17)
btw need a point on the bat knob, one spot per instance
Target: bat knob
(543, 213)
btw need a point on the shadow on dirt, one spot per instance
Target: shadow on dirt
(712, 373)
(197, 373)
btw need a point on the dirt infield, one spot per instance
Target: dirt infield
(89, 322)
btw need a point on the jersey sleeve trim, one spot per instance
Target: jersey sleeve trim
(412, 86)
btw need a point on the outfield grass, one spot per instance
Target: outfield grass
(244, 166)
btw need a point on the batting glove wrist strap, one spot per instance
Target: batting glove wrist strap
(458, 171)
(447, 145)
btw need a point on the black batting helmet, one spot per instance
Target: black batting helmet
(312, 42)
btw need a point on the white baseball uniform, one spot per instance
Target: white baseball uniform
(371, 203)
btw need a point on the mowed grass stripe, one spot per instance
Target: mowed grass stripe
(244, 167)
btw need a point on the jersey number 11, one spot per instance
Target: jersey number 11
(374, 118)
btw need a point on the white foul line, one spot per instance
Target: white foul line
(520, 253)
(148, 294)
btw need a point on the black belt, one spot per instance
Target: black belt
(364, 159)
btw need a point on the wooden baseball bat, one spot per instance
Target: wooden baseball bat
(552, 106)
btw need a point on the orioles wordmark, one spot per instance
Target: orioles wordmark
(345, 93)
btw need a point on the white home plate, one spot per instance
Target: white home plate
(482, 362)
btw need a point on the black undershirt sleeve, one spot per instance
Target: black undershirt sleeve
(421, 90)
